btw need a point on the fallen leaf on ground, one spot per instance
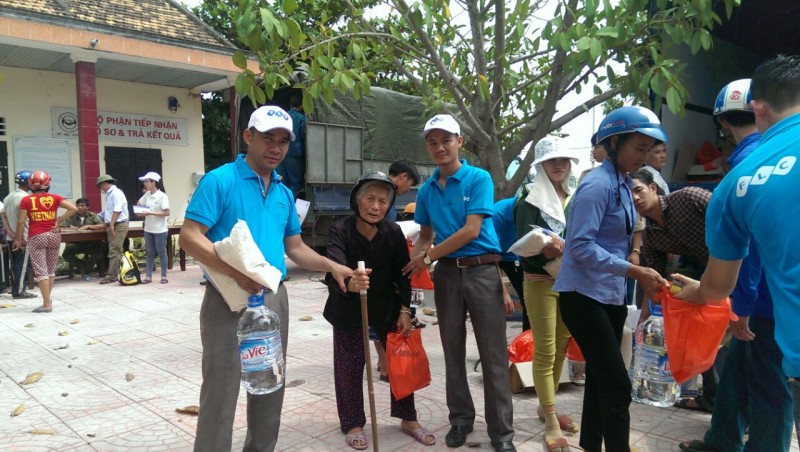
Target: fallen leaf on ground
(64, 394)
(18, 411)
(129, 376)
(63, 333)
(93, 341)
(305, 318)
(32, 377)
(191, 409)
(74, 321)
(61, 347)
(30, 325)
(428, 311)
(42, 431)
(90, 435)
(7, 305)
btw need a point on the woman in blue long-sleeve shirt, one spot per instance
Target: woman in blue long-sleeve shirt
(592, 277)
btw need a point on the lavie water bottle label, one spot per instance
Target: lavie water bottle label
(663, 366)
(255, 354)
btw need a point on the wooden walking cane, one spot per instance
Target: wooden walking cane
(368, 361)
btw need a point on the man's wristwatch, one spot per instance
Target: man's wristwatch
(427, 259)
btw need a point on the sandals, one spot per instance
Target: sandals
(381, 376)
(422, 436)
(565, 423)
(108, 280)
(354, 438)
(700, 403)
(697, 446)
(164, 280)
(557, 445)
(42, 309)
(147, 281)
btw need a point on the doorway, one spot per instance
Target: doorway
(126, 165)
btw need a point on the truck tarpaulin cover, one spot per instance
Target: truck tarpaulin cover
(388, 119)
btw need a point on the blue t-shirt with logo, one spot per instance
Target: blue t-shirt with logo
(469, 191)
(234, 192)
(759, 199)
(503, 219)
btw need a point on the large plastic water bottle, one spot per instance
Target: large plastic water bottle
(260, 348)
(651, 377)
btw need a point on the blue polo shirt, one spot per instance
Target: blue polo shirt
(751, 296)
(468, 192)
(597, 241)
(758, 200)
(503, 219)
(233, 192)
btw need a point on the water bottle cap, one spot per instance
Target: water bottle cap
(255, 300)
(655, 309)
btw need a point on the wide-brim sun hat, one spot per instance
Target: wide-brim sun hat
(550, 148)
(271, 117)
(104, 178)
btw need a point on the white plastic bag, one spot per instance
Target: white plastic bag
(240, 251)
(531, 243)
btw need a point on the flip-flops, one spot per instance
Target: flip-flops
(361, 437)
(565, 423)
(557, 445)
(107, 280)
(700, 404)
(422, 436)
(147, 281)
(697, 446)
(42, 310)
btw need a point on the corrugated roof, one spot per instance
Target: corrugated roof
(156, 20)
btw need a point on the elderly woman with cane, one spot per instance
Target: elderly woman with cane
(364, 236)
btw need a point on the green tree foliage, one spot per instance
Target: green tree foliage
(495, 64)
(216, 131)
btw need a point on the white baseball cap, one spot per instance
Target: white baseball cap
(152, 175)
(270, 117)
(444, 122)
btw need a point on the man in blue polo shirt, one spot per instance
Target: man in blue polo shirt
(750, 204)
(456, 204)
(248, 189)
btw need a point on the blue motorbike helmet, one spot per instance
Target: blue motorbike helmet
(735, 96)
(629, 120)
(22, 177)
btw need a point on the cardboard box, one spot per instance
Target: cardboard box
(521, 375)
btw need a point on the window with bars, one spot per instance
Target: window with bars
(2, 126)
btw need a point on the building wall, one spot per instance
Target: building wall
(28, 96)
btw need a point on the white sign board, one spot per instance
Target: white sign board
(125, 127)
(47, 154)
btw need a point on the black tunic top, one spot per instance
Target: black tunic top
(389, 289)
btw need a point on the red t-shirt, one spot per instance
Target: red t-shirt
(42, 212)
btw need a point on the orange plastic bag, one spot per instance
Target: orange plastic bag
(693, 333)
(420, 280)
(574, 352)
(409, 369)
(520, 350)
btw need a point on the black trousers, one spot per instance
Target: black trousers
(597, 328)
(514, 274)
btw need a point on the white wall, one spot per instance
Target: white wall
(28, 96)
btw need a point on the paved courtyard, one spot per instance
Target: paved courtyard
(118, 361)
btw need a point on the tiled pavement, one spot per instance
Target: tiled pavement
(150, 333)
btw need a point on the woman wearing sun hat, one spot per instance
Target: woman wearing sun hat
(155, 224)
(543, 204)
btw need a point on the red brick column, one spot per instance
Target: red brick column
(87, 130)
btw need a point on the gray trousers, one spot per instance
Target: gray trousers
(222, 379)
(476, 290)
